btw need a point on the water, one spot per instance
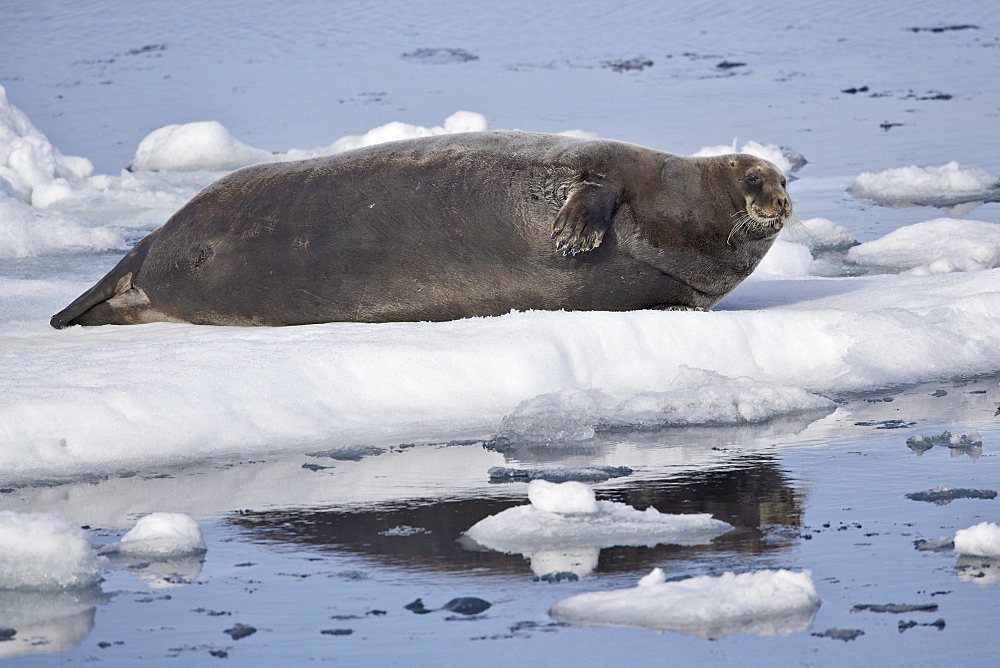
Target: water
(295, 551)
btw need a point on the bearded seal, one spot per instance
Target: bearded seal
(448, 227)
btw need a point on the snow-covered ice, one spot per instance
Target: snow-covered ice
(692, 397)
(564, 527)
(982, 540)
(765, 603)
(45, 552)
(944, 186)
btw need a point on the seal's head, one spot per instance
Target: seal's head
(766, 206)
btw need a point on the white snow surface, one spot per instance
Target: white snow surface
(765, 603)
(981, 540)
(161, 536)
(45, 552)
(79, 400)
(567, 516)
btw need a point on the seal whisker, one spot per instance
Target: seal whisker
(742, 222)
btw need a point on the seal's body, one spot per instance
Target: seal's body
(446, 227)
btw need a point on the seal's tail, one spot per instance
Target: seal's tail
(91, 307)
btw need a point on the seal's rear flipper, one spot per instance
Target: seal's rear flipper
(92, 308)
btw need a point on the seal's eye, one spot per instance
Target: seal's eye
(783, 183)
(753, 178)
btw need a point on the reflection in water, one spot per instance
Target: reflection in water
(984, 571)
(751, 492)
(47, 622)
(165, 573)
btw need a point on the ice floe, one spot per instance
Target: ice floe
(45, 552)
(981, 540)
(564, 527)
(161, 536)
(962, 187)
(765, 603)
(694, 397)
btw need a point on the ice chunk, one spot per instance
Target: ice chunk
(161, 536)
(970, 444)
(765, 603)
(945, 186)
(564, 528)
(27, 158)
(45, 552)
(697, 396)
(29, 232)
(205, 145)
(822, 234)
(694, 397)
(559, 417)
(938, 246)
(566, 497)
(981, 540)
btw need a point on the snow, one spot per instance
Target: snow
(161, 536)
(938, 246)
(981, 540)
(564, 527)
(45, 552)
(765, 603)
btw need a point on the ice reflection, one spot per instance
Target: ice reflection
(984, 571)
(47, 622)
(748, 493)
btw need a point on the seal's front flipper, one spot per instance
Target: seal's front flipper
(584, 218)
